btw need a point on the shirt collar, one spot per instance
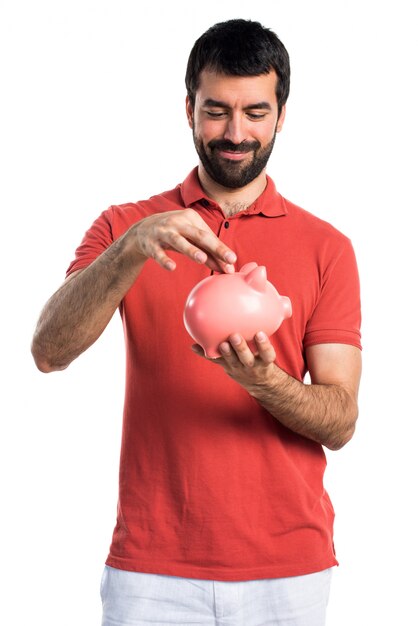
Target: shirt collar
(270, 203)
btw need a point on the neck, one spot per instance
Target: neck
(232, 201)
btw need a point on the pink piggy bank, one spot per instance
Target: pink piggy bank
(244, 303)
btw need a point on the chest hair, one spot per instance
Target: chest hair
(234, 207)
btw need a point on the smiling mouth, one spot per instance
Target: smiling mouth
(232, 156)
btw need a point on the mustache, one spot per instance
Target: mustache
(244, 146)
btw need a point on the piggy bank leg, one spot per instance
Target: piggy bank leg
(212, 352)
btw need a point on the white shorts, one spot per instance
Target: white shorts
(136, 599)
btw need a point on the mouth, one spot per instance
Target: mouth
(232, 156)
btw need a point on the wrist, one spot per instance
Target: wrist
(267, 382)
(130, 246)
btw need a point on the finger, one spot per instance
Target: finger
(176, 241)
(216, 266)
(266, 352)
(218, 255)
(159, 255)
(242, 350)
(228, 354)
(209, 241)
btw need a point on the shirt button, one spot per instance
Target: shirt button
(226, 225)
(204, 202)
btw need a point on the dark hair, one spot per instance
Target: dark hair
(239, 48)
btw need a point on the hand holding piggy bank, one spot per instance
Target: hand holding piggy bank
(244, 303)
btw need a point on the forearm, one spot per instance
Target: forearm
(325, 413)
(79, 311)
(76, 315)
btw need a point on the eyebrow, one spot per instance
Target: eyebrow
(209, 102)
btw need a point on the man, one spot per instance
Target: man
(222, 515)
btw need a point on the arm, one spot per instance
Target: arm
(324, 411)
(76, 315)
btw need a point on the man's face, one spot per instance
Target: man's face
(234, 122)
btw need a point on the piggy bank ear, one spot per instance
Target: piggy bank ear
(257, 278)
(248, 267)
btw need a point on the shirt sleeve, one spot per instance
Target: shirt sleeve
(337, 314)
(95, 241)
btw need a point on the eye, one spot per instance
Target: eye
(256, 116)
(215, 114)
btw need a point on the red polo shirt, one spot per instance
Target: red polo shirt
(211, 485)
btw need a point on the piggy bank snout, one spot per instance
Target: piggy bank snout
(287, 307)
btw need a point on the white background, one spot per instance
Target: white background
(92, 114)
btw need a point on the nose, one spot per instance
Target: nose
(235, 131)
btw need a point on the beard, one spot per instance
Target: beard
(226, 172)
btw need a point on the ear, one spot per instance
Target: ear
(189, 111)
(281, 119)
